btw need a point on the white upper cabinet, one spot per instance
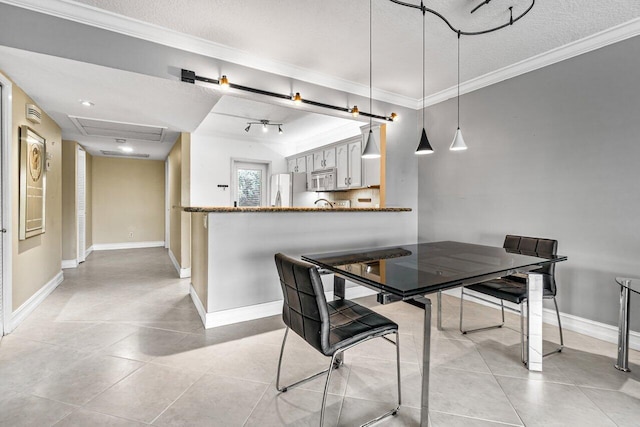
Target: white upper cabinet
(291, 165)
(324, 159)
(348, 164)
(301, 164)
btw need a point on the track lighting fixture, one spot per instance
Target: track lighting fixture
(224, 82)
(394, 117)
(297, 99)
(264, 126)
(371, 150)
(354, 111)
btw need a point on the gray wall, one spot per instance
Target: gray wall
(552, 153)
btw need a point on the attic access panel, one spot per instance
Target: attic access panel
(112, 129)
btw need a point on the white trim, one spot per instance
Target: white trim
(7, 187)
(110, 21)
(258, 311)
(36, 299)
(591, 328)
(69, 263)
(126, 245)
(182, 272)
(595, 41)
(88, 251)
(199, 307)
(167, 206)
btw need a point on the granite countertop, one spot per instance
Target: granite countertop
(228, 209)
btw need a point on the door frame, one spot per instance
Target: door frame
(266, 183)
(7, 185)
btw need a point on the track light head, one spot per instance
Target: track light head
(297, 99)
(247, 128)
(394, 117)
(224, 82)
(280, 129)
(354, 111)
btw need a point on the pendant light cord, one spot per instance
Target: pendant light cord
(423, 48)
(458, 79)
(370, 65)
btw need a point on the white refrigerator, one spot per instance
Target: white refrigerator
(290, 190)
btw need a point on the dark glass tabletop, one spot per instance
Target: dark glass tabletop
(629, 282)
(418, 269)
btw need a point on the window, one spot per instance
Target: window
(249, 183)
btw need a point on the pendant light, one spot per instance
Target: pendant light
(371, 150)
(458, 141)
(423, 147)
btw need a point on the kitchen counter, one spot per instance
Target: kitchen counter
(222, 209)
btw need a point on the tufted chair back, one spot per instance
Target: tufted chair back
(536, 246)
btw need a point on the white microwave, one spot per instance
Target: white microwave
(324, 180)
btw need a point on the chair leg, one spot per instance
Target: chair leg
(398, 365)
(309, 378)
(326, 389)
(522, 349)
(559, 349)
(463, 331)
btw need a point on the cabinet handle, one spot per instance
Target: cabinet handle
(345, 181)
(349, 180)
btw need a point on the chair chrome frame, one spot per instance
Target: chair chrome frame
(521, 312)
(336, 362)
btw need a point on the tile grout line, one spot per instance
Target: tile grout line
(595, 403)
(256, 404)
(481, 419)
(177, 398)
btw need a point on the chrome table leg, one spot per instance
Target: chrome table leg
(622, 363)
(426, 361)
(534, 321)
(439, 310)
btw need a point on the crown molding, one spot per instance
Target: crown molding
(100, 18)
(595, 41)
(106, 20)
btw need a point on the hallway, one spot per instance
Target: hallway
(119, 343)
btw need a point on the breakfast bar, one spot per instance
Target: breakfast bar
(233, 276)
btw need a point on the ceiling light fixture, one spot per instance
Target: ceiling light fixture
(189, 76)
(354, 111)
(371, 150)
(265, 126)
(394, 117)
(458, 141)
(126, 149)
(224, 82)
(86, 103)
(424, 147)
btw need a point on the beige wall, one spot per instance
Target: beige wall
(69, 200)
(179, 189)
(36, 260)
(88, 205)
(127, 197)
(200, 251)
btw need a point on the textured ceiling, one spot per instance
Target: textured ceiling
(332, 36)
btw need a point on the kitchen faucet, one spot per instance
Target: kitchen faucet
(323, 200)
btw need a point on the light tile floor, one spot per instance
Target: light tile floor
(119, 343)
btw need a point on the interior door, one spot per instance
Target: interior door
(82, 218)
(1, 216)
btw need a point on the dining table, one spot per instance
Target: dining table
(410, 272)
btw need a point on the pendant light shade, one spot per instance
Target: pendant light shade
(458, 142)
(371, 150)
(424, 147)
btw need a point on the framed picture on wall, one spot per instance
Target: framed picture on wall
(32, 183)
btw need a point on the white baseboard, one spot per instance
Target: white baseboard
(126, 245)
(182, 272)
(199, 307)
(258, 311)
(18, 316)
(88, 251)
(69, 263)
(591, 328)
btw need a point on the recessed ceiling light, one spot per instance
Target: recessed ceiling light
(87, 103)
(126, 149)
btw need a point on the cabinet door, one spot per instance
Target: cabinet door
(291, 165)
(318, 160)
(309, 160)
(301, 164)
(342, 166)
(330, 158)
(355, 164)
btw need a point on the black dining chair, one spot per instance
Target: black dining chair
(330, 327)
(514, 288)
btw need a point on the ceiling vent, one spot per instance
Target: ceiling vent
(121, 154)
(34, 114)
(120, 130)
